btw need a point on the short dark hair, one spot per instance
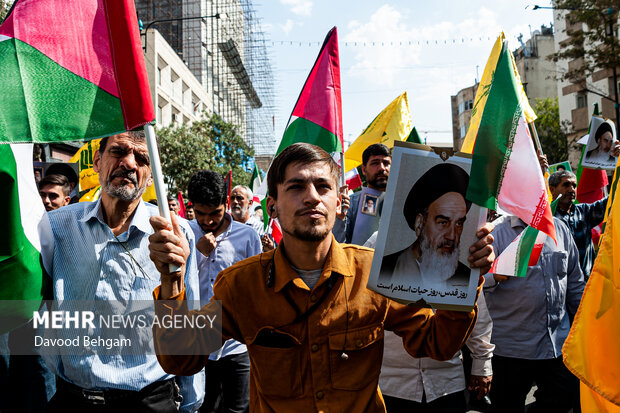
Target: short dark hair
(56, 180)
(207, 188)
(137, 135)
(556, 178)
(374, 150)
(302, 153)
(60, 168)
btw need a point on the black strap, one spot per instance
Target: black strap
(302, 316)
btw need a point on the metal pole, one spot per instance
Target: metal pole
(158, 178)
(537, 141)
(148, 26)
(616, 103)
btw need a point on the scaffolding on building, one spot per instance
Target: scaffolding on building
(230, 55)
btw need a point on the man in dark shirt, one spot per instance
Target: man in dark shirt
(580, 218)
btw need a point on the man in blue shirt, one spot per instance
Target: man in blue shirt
(580, 218)
(100, 254)
(531, 320)
(221, 242)
(354, 224)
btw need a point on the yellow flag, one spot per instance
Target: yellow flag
(483, 93)
(88, 178)
(591, 349)
(392, 124)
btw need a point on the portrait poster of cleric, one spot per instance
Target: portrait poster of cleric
(426, 229)
(602, 138)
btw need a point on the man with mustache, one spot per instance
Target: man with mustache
(580, 218)
(221, 242)
(436, 210)
(100, 255)
(240, 200)
(314, 332)
(353, 225)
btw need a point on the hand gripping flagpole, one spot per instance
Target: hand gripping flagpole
(158, 180)
(343, 180)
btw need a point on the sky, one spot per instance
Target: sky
(460, 35)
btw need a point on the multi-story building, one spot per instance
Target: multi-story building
(462, 105)
(220, 42)
(537, 74)
(577, 96)
(537, 71)
(177, 95)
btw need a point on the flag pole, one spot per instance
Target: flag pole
(158, 179)
(343, 180)
(537, 141)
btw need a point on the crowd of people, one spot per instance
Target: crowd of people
(302, 332)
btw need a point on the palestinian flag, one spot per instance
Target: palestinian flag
(413, 136)
(71, 70)
(317, 116)
(24, 228)
(505, 173)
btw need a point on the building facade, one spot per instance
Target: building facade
(462, 105)
(576, 97)
(537, 74)
(222, 45)
(177, 95)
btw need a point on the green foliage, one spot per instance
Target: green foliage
(551, 132)
(590, 40)
(5, 6)
(206, 144)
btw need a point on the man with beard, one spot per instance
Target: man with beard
(99, 254)
(606, 151)
(353, 225)
(436, 210)
(221, 242)
(314, 332)
(240, 200)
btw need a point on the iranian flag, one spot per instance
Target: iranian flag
(353, 180)
(505, 173)
(317, 115)
(69, 70)
(255, 184)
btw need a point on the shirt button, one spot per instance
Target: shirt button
(313, 298)
(320, 395)
(104, 275)
(315, 347)
(359, 344)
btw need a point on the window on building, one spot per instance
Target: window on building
(159, 76)
(582, 100)
(469, 105)
(463, 131)
(461, 106)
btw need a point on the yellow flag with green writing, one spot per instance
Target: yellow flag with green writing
(483, 93)
(84, 156)
(591, 349)
(392, 124)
